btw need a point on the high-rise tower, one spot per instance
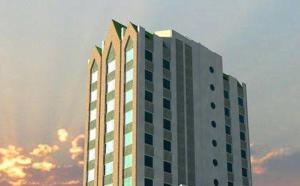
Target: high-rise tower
(162, 112)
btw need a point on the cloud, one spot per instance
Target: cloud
(76, 149)
(43, 150)
(43, 166)
(62, 135)
(258, 163)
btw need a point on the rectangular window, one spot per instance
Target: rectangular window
(109, 147)
(128, 139)
(91, 174)
(167, 145)
(91, 154)
(240, 101)
(228, 148)
(167, 124)
(228, 130)
(167, 167)
(129, 55)
(94, 77)
(227, 112)
(229, 167)
(128, 117)
(148, 161)
(166, 103)
(148, 182)
(128, 161)
(93, 115)
(242, 119)
(166, 64)
(110, 86)
(242, 136)
(111, 66)
(148, 55)
(127, 181)
(166, 84)
(110, 106)
(128, 96)
(109, 168)
(148, 139)
(129, 75)
(148, 75)
(148, 117)
(243, 154)
(94, 96)
(109, 126)
(244, 172)
(226, 94)
(92, 135)
(148, 96)
(230, 184)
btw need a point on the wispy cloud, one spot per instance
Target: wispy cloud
(43, 150)
(62, 135)
(40, 165)
(258, 163)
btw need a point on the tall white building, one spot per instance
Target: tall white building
(162, 112)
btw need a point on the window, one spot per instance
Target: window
(94, 95)
(216, 182)
(109, 126)
(148, 96)
(91, 154)
(167, 104)
(211, 69)
(213, 124)
(93, 115)
(129, 75)
(166, 64)
(111, 66)
(228, 130)
(228, 148)
(148, 55)
(128, 96)
(214, 143)
(108, 168)
(215, 162)
(128, 139)
(166, 84)
(92, 135)
(148, 139)
(127, 181)
(165, 184)
(94, 77)
(212, 87)
(91, 174)
(240, 101)
(226, 94)
(148, 75)
(110, 106)
(109, 147)
(128, 161)
(227, 112)
(167, 167)
(243, 154)
(110, 86)
(230, 184)
(213, 105)
(128, 117)
(244, 172)
(129, 55)
(167, 124)
(148, 182)
(229, 167)
(242, 119)
(148, 117)
(242, 136)
(148, 161)
(167, 145)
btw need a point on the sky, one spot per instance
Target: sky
(45, 45)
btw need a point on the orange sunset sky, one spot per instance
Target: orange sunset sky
(44, 47)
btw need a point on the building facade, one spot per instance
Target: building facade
(162, 112)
